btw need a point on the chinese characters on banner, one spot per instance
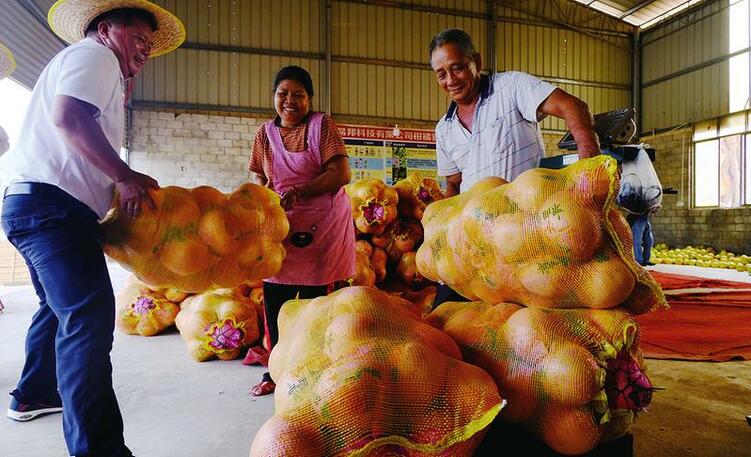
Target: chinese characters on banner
(375, 153)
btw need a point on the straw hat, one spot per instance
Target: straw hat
(7, 62)
(69, 19)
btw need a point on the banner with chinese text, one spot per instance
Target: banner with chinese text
(375, 153)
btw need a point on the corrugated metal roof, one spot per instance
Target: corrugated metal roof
(641, 13)
(24, 30)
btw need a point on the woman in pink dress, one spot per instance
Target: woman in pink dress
(301, 156)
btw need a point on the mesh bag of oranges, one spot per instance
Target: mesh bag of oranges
(374, 205)
(551, 238)
(143, 311)
(358, 373)
(415, 194)
(573, 377)
(218, 324)
(200, 238)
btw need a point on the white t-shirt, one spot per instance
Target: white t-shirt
(89, 72)
(505, 139)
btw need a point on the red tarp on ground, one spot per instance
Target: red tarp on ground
(669, 281)
(713, 326)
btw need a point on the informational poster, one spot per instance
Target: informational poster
(376, 153)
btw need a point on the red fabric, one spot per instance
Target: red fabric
(257, 355)
(711, 327)
(669, 281)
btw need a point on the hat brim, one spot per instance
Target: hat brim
(7, 62)
(70, 18)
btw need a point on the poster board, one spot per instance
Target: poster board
(375, 153)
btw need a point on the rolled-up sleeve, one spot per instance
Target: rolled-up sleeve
(445, 164)
(89, 76)
(529, 93)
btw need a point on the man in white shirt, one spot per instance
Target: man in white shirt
(491, 127)
(63, 170)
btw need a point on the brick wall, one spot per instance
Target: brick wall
(676, 223)
(191, 150)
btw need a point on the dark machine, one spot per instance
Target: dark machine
(640, 191)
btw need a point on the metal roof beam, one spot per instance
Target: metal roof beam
(635, 8)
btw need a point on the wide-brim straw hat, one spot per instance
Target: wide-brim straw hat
(70, 18)
(7, 62)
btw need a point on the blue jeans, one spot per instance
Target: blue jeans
(69, 342)
(643, 239)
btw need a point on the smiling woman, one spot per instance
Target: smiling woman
(301, 156)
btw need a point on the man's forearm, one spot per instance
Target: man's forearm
(84, 135)
(580, 123)
(578, 119)
(587, 144)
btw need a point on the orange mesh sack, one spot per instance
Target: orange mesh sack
(373, 205)
(574, 377)
(218, 324)
(364, 273)
(415, 194)
(198, 239)
(359, 374)
(142, 311)
(552, 238)
(421, 299)
(402, 235)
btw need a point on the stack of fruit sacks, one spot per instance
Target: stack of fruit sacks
(359, 373)
(572, 377)
(218, 324)
(144, 311)
(386, 249)
(201, 238)
(551, 238)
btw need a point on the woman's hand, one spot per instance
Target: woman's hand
(289, 198)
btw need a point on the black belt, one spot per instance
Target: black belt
(33, 188)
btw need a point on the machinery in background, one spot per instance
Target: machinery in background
(640, 193)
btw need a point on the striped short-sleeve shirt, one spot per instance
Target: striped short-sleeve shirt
(505, 139)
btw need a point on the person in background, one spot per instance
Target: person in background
(62, 172)
(491, 127)
(7, 65)
(300, 155)
(641, 229)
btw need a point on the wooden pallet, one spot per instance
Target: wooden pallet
(13, 269)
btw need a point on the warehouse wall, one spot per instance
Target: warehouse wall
(379, 73)
(191, 150)
(676, 224)
(687, 65)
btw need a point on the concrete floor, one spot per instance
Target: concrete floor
(173, 406)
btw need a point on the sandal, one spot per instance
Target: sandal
(265, 387)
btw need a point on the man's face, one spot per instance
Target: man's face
(130, 43)
(456, 73)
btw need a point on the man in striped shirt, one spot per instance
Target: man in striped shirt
(491, 127)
